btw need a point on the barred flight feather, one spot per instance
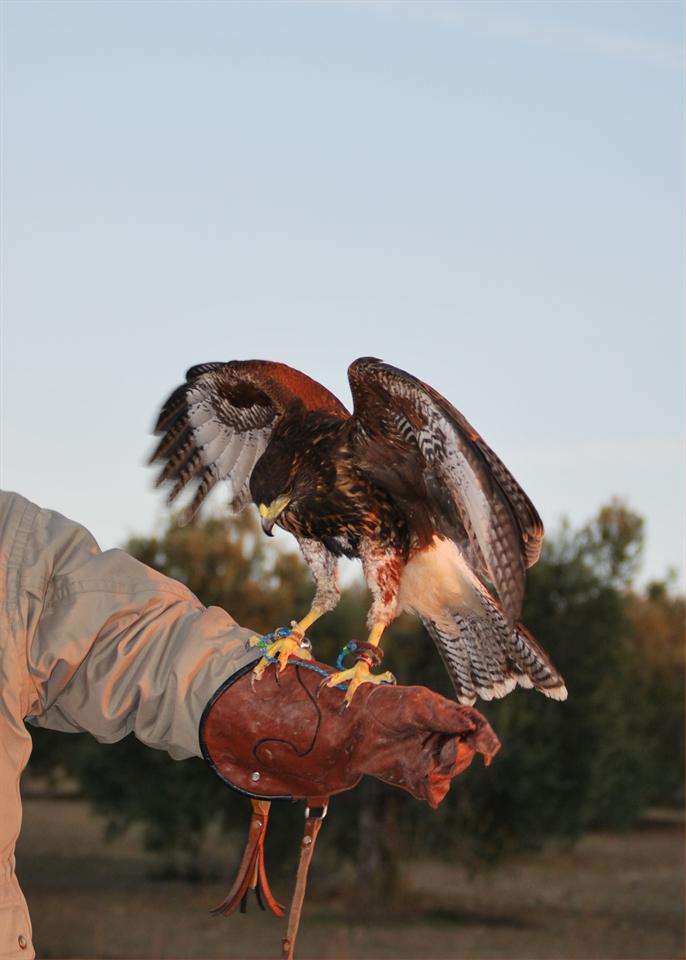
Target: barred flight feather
(456, 660)
(450, 448)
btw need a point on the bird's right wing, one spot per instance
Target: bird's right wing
(417, 430)
(217, 424)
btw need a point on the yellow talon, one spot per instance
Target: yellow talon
(356, 676)
(282, 648)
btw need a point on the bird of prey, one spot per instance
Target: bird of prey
(404, 483)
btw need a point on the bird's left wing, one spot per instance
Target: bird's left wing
(217, 424)
(458, 468)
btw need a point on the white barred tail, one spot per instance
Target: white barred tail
(485, 655)
(489, 660)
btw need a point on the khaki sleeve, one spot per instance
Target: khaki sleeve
(118, 647)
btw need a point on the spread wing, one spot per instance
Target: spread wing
(217, 424)
(469, 486)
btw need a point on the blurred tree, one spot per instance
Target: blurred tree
(612, 543)
(657, 623)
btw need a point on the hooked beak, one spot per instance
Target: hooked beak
(270, 514)
(267, 526)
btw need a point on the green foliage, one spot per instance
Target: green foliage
(597, 760)
(613, 543)
(657, 639)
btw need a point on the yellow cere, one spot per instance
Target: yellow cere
(275, 508)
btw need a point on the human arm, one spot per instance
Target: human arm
(113, 646)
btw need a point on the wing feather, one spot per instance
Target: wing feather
(217, 425)
(501, 524)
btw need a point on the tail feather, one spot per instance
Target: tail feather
(456, 660)
(478, 658)
(486, 657)
(502, 680)
(535, 663)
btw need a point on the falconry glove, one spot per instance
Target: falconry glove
(291, 737)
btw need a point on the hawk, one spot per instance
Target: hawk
(405, 484)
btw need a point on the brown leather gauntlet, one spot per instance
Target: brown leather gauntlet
(286, 736)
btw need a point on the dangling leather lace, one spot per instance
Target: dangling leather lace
(252, 874)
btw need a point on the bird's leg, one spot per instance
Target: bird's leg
(361, 672)
(322, 564)
(289, 646)
(382, 571)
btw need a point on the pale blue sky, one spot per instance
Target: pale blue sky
(487, 194)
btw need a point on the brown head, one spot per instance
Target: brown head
(285, 475)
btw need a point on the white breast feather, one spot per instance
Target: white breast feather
(438, 579)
